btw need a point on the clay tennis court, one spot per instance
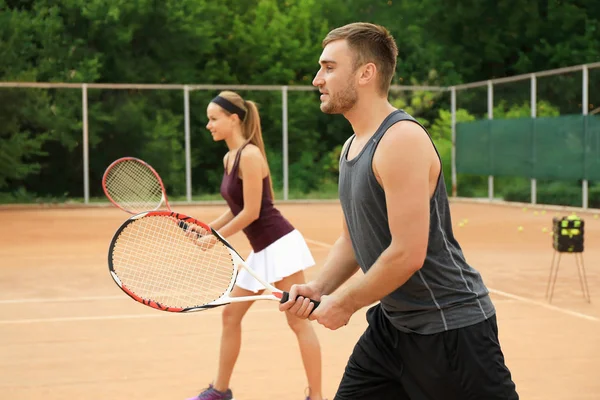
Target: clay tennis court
(68, 332)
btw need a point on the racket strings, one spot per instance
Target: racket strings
(155, 259)
(134, 186)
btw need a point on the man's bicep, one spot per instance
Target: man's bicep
(403, 164)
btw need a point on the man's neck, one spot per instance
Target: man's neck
(367, 115)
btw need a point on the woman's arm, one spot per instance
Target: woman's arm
(251, 164)
(222, 220)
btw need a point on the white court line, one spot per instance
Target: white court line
(63, 299)
(316, 242)
(544, 305)
(144, 316)
(161, 314)
(509, 295)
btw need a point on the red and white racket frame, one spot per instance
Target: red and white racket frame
(122, 159)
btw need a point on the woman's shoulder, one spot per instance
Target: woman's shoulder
(251, 153)
(250, 149)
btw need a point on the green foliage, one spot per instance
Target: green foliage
(523, 110)
(558, 193)
(420, 104)
(253, 42)
(442, 126)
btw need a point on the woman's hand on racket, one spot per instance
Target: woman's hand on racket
(299, 303)
(206, 242)
(200, 236)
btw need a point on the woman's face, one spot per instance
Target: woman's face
(219, 124)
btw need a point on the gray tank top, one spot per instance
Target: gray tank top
(446, 293)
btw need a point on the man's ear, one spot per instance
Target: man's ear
(368, 74)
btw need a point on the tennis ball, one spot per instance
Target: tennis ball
(595, 216)
(520, 228)
(461, 224)
(544, 230)
(543, 212)
(524, 208)
(535, 213)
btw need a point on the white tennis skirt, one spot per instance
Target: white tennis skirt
(284, 257)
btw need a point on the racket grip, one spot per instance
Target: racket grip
(286, 296)
(183, 225)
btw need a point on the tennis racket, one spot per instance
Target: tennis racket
(134, 186)
(161, 265)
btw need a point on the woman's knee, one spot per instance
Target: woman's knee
(233, 314)
(297, 324)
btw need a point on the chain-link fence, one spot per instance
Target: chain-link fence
(535, 141)
(522, 138)
(165, 125)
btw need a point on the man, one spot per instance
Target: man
(433, 334)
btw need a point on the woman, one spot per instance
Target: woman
(279, 252)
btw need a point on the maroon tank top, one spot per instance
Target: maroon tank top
(270, 225)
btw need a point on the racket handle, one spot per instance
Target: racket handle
(286, 295)
(182, 225)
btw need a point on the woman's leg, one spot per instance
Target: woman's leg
(231, 337)
(310, 349)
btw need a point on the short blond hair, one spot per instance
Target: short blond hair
(370, 43)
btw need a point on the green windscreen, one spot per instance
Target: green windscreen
(559, 147)
(592, 156)
(562, 148)
(473, 147)
(512, 147)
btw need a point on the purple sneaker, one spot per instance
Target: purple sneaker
(213, 394)
(308, 395)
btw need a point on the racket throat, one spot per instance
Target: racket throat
(274, 296)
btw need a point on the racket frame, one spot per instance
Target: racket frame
(238, 261)
(163, 199)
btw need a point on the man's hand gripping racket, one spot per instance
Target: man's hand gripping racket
(172, 262)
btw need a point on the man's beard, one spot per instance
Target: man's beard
(341, 102)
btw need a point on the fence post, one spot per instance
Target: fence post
(284, 108)
(86, 141)
(490, 99)
(188, 152)
(453, 123)
(584, 111)
(533, 115)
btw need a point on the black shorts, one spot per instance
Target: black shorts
(460, 364)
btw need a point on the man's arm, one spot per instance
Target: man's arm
(403, 164)
(339, 266)
(341, 263)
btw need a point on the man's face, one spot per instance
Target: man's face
(336, 79)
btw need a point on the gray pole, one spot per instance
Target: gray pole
(188, 155)
(584, 111)
(284, 107)
(453, 113)
(533, 115)
(490, 116)
(86, 149)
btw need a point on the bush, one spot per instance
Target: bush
(555, 193)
